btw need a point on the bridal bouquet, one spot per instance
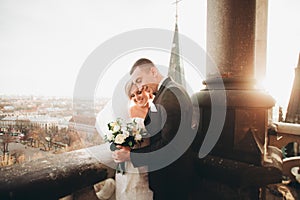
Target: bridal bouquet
(124, 134)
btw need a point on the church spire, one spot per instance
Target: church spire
(175, 66)
(293, 111)
(176, 16)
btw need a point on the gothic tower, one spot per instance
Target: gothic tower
(293, 111)
(175, 66)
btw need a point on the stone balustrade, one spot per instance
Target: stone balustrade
(59, 175)
(55, 176)
(281, 134)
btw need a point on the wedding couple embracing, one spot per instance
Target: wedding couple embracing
(161, 167)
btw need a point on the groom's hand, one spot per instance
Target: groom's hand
(121, 155)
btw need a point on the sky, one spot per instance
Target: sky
(44, 44)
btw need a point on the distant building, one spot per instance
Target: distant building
(42, 121)
(14, 121)
(8, 108)
(85, 128)
(81, 123)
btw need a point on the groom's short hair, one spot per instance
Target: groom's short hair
(143, 63)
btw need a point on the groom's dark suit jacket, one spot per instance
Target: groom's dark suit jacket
(168, 156)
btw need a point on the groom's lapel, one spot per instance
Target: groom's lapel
(162, 87)
(152, 118)
(147, 118)
(153, 122)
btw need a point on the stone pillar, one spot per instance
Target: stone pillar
(237, 40)
(231, 40)
(261, 40)
(239, 161)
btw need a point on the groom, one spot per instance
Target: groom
(168, 157)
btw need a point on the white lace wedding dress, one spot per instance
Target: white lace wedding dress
(133, 184)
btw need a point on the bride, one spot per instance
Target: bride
(134, 183)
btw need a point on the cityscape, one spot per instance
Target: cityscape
(32, 127)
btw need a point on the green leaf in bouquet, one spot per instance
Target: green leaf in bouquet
(113, 147)
(109, 127)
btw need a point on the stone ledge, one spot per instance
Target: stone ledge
(54, 176)
(287, 128)
(237, 174)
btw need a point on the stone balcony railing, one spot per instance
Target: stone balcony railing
(60, 175)
(55, 176)
(68, 173)
(75, 172)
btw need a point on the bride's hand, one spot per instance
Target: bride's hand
(121, 155)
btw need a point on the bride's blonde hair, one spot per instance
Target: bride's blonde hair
(128, 87)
